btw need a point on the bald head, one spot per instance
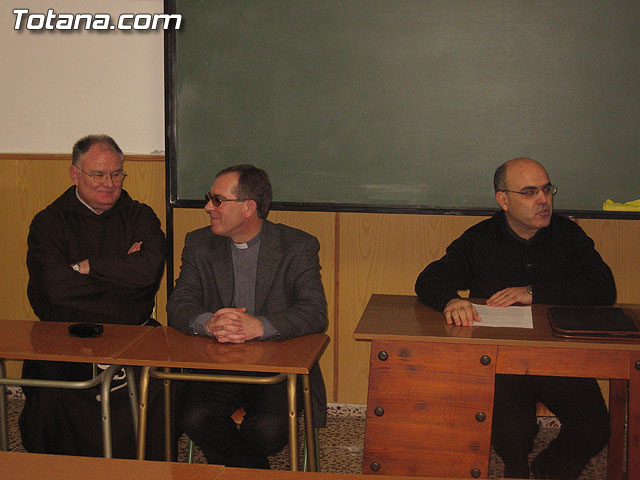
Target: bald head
(501, 174)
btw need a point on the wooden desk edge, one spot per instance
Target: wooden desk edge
(561, 343)
(159, 363)
(32, 466)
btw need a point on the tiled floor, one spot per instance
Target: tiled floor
(341, 442)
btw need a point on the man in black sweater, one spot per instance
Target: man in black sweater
(527, 254)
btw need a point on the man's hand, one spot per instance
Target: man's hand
(136, 247)
(83, 267)
(460, 312)
(509, 296)
(234, 325)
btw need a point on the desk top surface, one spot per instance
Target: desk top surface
(35, 466)
(404, 317)
(169, 347)
(34, 340)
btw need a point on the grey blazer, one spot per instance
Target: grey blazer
(289, 290)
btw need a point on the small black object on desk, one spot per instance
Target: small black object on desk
(85, 330)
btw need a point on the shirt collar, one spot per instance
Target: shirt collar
(250, 243)
(85, 203)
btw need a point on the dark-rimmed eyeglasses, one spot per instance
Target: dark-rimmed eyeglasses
(531, 192)
(217, 199)
(117, 177)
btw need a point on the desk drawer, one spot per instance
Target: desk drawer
(570, 362)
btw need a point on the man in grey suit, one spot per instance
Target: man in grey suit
(243, 279)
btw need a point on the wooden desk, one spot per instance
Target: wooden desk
(27, 340)
(35, 466)
(430, 400)
(171, 348)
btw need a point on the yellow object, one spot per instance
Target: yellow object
(632, 206)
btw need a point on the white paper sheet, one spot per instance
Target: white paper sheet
(513, 317)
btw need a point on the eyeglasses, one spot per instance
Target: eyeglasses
(217, 199)
(117, 177)
(531, 192)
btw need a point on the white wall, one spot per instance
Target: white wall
(58, 86)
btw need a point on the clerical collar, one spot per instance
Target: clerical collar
(85, 203)
(250, 243)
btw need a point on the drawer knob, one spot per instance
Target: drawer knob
(475, 472)
(375, 466)
(382, 355)
(485, 359)
(378, 411)
(481, 417)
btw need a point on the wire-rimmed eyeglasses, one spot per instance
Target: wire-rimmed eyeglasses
(531, 192)
(117, 177)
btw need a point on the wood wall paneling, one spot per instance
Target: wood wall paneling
(31, 182)
(617, 241)
(381, 253)
(361, 253)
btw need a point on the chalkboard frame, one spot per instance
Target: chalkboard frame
(171, 171)
(172, 200)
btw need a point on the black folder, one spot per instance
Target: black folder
(593, 322)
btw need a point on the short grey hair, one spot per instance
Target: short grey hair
(83, 145)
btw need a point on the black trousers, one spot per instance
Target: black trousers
(68, 422)
(203, 411)
(578, 404)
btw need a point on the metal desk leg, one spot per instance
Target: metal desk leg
(308, 424)
(4, 429)
(168, 419)
(293, 424)
(133, 396)
(104, 380)
(142, 418)
(105, 407)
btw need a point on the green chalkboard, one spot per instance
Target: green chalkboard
(406, 103)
